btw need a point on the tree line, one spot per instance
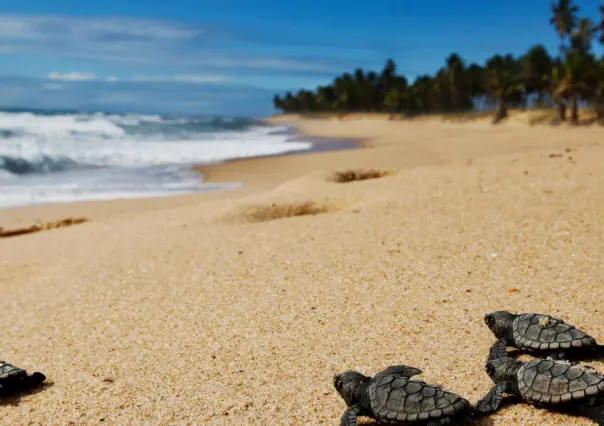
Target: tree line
(537, 79)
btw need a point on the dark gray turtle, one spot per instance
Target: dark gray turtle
(391, 397)
(556, 385)
(542, 333)
(15, 379)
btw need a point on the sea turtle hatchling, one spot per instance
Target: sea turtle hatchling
(541, 333)
(391, 397)
(15, 379)
(556, 385)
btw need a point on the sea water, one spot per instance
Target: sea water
(55, 157)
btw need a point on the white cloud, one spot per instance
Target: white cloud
(179, 78)
(144, 42)
(191, 78)
(18, 26)
(72, 76)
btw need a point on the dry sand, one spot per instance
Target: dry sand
(238, 307)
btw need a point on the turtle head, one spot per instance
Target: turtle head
(351, 386)
(499, 322)
(502, 369)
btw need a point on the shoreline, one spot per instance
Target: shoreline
(320, 145)
(323, 142)
(343, 137)
(38, 214)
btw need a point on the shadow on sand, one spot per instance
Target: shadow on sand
(14, 398)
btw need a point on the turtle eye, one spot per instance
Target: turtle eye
(337, 382)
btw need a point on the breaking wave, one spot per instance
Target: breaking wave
(46, 152)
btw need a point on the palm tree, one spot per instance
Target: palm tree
(343, 89)
(326, 98)
(389, 71)
(402, 84)
(289, 104)
(555, 81)
(475, 80)
(598, 92)
(536, 70)
(420, 95)
(573, 78)
(385, 85)
(362, 90)
(582, 37)
(501, 81)
(602, 24)
(563, 19)
(370, 93)
(277, 103)
(455, 69)
(441, 92)
(393, 99)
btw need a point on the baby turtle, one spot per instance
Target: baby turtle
(15, 379)
(556, 385)
(541, 333)
(391, 397)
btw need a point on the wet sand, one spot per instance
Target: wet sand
(237, 307)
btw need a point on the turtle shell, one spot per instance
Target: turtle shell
(396, 399)
(555, 382)
(9, 372)
(543, 332)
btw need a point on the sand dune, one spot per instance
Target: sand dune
(238, 308)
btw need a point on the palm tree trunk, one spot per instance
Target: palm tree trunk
(501, 109)
(561, 104)
(561, 110)
(574, 109)
(599, 110)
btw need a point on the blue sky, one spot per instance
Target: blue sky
(231, 56)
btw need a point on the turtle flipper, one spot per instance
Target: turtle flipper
(557, 356)
(499, 349)
(492, 400)
(349, 418)
(399, 370)
(600, 350)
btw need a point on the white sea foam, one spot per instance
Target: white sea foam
(58, 125)
(103, 184)
(69, 157)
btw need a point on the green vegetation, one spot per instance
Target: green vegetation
(575, 76)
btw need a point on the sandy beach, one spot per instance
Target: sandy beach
(237, 307)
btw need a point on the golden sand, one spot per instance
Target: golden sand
(238, 307)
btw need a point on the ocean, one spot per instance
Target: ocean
(57, 157)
